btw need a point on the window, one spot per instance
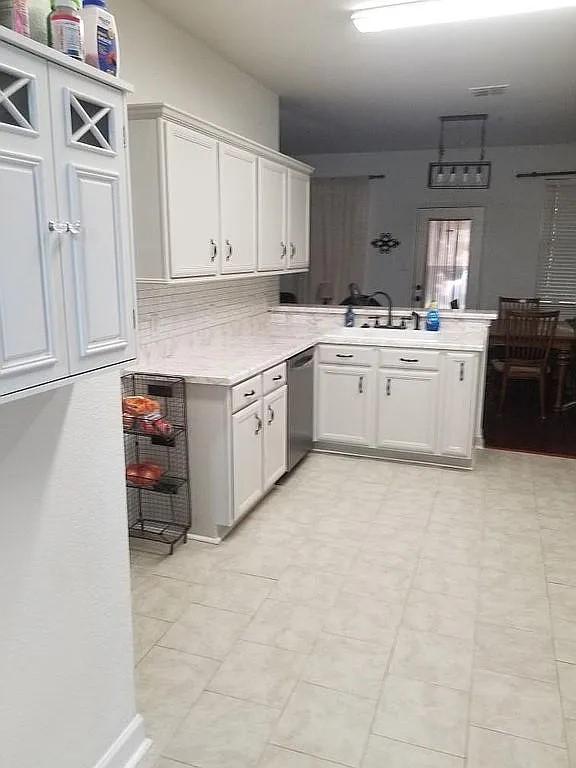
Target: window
(556, 281)
(448, 262)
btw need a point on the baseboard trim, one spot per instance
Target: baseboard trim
(128, 749)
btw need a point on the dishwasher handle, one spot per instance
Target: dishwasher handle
(302, 361)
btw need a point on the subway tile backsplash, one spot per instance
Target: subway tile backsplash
(167, 311)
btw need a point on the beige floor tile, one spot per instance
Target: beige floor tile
(515, 608)
(260, 559)
(285, 625)
(307, 587)
(236, 592)
(443, 614)
(384, 753)
(508, 554)
(160, 597)
(277, 757)
(488, 749)
(191, 564)
(535, 583)
(350, 666)
(514, 652)
(518, 706)
(447, 578)
(326, 724)
(433, 659)
(362, 617)
(345, 529)
(220, 732)
(399, 558)
(258, 673)
(164, 762)
(323, 555)
(570, 726)
(423, 714)
(206, 631)
(147, 632)
(567, 679)
(563, 604)
(374, 580)
(168, 683)
(452, 550)
(565, 650)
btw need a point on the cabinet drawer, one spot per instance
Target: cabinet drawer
(345, 355)
(410, 358)
(274, 378)
(246, 393)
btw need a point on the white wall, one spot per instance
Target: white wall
(165, 63)
(66, 690)
(513, 214)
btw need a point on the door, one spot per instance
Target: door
(345, 405)
(275, 436)
(298, 220)
(93, 199)
(460, 403)
(448, 256)
(238, 201)
(407, 410)
(247, 436)
(191, 205)
(272, 193)
(32, 325)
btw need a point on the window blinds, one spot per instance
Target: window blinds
(556, 282)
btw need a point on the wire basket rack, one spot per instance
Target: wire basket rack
(158, 504)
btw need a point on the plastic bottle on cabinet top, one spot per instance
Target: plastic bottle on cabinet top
(67, 28)
(433, 317)
(101, 37)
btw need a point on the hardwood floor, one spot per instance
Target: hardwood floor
(519, 428)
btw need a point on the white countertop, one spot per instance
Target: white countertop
(228, 361)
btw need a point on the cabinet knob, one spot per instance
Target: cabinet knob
(213, 250)
(229, 250)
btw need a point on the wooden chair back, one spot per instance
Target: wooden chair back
(507, 304)
(529, 337)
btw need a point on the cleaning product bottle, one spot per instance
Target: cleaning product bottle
(67, 29)
(349, 317)
(101, 36)
(433, 317)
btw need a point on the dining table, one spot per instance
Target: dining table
(562, 345)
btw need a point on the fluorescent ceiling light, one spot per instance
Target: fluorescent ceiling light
(421, 13)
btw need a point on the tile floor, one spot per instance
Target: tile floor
(371, 615)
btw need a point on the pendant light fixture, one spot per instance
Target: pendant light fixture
(448, 174)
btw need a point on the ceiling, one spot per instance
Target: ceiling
(342, 91)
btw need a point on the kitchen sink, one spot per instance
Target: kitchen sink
(384, 333)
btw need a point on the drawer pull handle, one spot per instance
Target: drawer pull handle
(346, 357)
(409, 360)
(250, 394)
(258, 425)
(271, 414)
(277, 378)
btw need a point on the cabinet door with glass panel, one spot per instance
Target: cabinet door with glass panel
(448, 254)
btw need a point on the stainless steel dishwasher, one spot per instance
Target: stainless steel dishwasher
(300, 406)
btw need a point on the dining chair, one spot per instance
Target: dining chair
(529, 337)
(507, 304)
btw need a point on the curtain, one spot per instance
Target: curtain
(338, 238)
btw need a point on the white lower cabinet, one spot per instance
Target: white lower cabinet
(275, 437)
(344, 404)
(460, 403)
(248, 439)
(407, 410)
(417, 402)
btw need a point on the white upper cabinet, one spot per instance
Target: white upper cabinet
(192, 205)
(460, 403)
(407, 410)
(32, 326)
(66, 271)
(238, 208)
(92, 190)
(298, 220)
(272, 208)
